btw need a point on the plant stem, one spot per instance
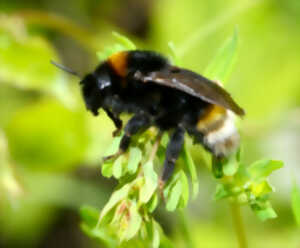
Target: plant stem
(238, 225)
(155, 146)
(184, 229)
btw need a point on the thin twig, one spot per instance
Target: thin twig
(238, 225)
(155, 146)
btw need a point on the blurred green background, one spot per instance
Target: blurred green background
(50, 146)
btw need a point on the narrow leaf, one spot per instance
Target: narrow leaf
(174, 196)
(89, 215)
(135, 221)
(174, 55)
(217, 167)
(151, 182)
(185, 190)
(128, 44)
(135, 157)
(221, 66)
(153, 203)
(221, 192)
(107, 169)
(117, 168)
(264, 168)
(261, 188)
(115, 198)
(187, 158)
(296, 203)
(113, 148)
(265, 214)
(155, 233)
(231, 167)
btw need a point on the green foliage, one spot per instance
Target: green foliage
(47, 134)
(296, 203)
(124, 44)
(250, 186)
(222, 65)
(26, 59)
(27, 79)
(129, 209)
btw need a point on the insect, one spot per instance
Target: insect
(145, 84)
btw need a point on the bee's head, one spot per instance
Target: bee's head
(95, 88)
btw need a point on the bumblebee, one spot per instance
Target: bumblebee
(146, 85)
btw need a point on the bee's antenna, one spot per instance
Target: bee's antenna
(64, 68)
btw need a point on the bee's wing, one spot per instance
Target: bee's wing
(193, 84)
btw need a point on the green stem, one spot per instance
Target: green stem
(184, 229)
(238, 225)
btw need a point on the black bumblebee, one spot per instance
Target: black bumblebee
(145, 84)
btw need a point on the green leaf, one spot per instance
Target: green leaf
(174, 55)
(114, 146)
(221, 192)
(128, 44)
(266, 213)
(155, 233)
(116, 197)
(124, 45)
(174, 196)
(217, 167)
(117, 167)
(107, 169)
(135, 157)
(296, 203)
(100, 234)
(135, 221)
(187, 158)
(151, 182)
(185, 190)
(221, 66)
(230, 167)
(153, 203)
(89, 215)
(263, 168)
(108, 51)
(108, 166)
(174, 178)
(261, 188)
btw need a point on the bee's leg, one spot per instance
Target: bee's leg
(173, 150)
(117, 121)
(139, 122)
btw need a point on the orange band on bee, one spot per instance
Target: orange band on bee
(118, 62)
(213, 114)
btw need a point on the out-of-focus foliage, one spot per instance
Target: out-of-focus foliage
(296, 202)
(49, 162)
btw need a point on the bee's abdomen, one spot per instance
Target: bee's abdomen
(220, 135)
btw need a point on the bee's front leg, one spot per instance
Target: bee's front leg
(138, 122)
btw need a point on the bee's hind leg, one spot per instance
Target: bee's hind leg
(173, 150)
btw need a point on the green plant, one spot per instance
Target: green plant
(127, 218)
